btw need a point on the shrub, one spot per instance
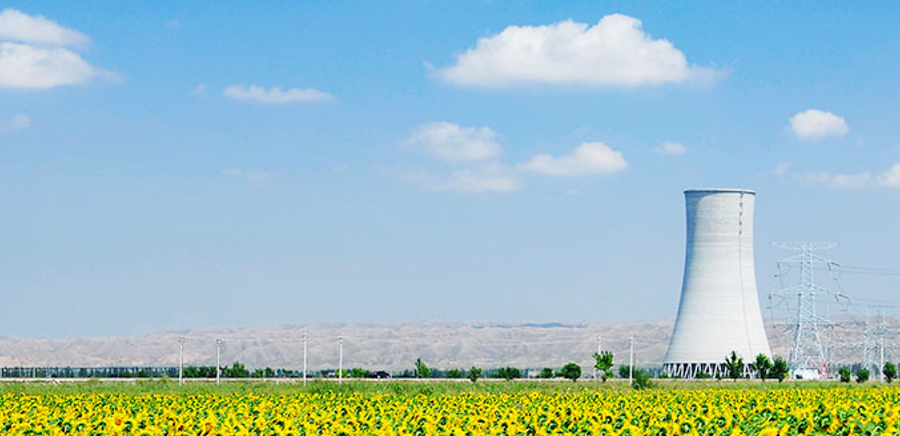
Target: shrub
(454, 373)
(702, 375)
(641, 380)
(862, 375)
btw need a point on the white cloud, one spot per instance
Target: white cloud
(17, 26)
(489, 179)
(814, 124)
(782, 169)
(253, 176)
(15, 124)
(36, 53)
(30, 67)
(891, 177)
(671, 148)
(590, 158)
(614, 52)
(274, 95)
(199, 90)
(888, 178)
(173, 24)
(454, 143)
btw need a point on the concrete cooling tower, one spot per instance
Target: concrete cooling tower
(719, 309)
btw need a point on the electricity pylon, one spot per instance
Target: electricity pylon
(807, 352)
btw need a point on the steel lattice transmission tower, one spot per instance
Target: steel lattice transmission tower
(807, 352)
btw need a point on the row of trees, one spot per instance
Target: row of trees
(778, 369)
(889, 371)
(569, 371)
(236, 370)
(764, 367)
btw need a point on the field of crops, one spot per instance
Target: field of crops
(751, 411)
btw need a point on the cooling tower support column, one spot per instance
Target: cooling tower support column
(719, 309)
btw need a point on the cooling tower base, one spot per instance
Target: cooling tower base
(691, 370)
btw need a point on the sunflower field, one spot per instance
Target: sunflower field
(822, 411)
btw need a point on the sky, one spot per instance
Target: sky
(168, 165)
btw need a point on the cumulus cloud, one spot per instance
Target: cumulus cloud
(671, 148)
(30, 67)
(253, 176)
(813, 125)
(36, 53)
(17, 26)
(615, 52)
(489, 179)
(15, 124)
(590, 158)
(274, 95)
(454, 143)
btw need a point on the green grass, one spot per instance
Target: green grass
(431, 387)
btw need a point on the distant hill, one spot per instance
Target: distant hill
(388, 346)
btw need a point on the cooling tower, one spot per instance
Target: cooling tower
(719, 309)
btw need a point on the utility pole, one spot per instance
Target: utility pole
(630, 358)
(341, 359)
(305, 337)
(599, 350)
(219, 343)
(881, 363)
(181, 360)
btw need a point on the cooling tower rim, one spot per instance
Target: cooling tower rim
(720, 190)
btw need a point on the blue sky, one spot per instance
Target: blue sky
(187, 165)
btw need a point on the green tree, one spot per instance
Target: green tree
(358, 373)
(454, 373)
(473, 374)
(191, 371)
(422, 370)
(844, 374)
(762, 366)
(734, 366)
(509, 373)
(862, 375)
(641, 380)
(237, 370)
(889, 371)
(546, 373)
(779, 370)
(570, 371)
(623, 371)
(603, 362)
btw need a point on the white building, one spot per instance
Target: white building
(719, 309)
